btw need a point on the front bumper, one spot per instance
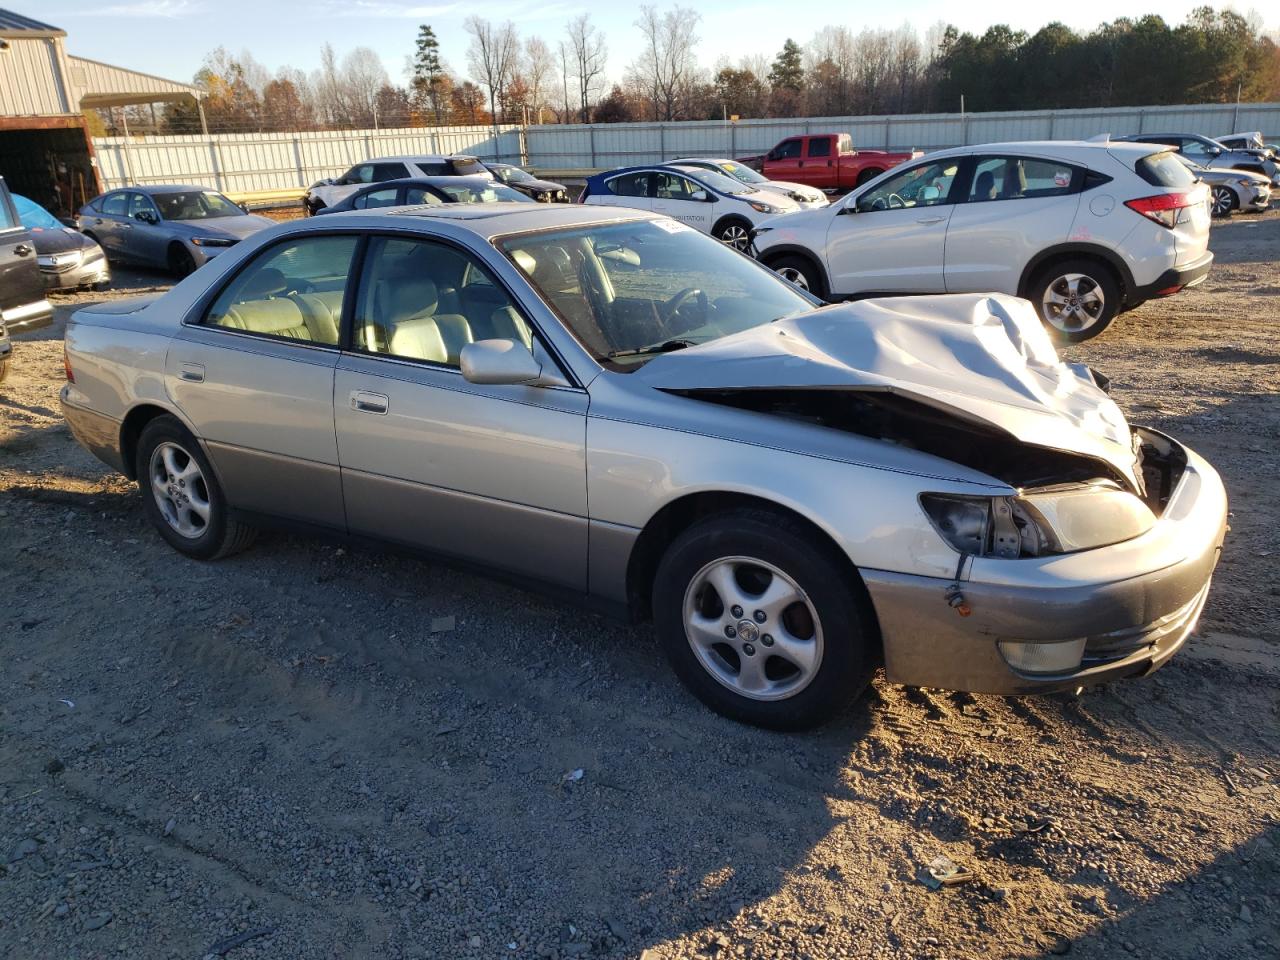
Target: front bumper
(1134, 603)
(31, 316)
(85, 274)
(1175, 279)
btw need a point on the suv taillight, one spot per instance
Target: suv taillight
(1164, 208)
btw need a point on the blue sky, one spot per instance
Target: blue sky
(171, 37)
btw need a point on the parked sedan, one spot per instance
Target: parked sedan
(708, 201)
(68, 259)
(173, 227)
(432, 191)
(613, 405)
(23, 305)
(544, 191)
(1210, 152)
(1232, 190)
(803, 196)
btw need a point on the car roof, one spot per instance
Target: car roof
(420, 157)
(151, 188)
(469, 180)
(489, 220)
(1062, 149)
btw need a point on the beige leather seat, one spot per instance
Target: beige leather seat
(403, 306)
(418, 339)
(281, 318)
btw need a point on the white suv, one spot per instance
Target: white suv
(1083, 229)
(325, 193)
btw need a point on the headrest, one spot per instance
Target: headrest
(405, 298)
(265, 316)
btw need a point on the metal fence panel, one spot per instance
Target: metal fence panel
(247, 162)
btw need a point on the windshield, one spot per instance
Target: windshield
(739, 172)
(34, 216)
(631, 290)
(720, 183)
(479, 193)
(196, 205)
(515, 175)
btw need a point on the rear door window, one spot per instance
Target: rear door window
(1164, 170)
(1022, 178)
(291, 291)
(820, 147)
(630, 185)
(386, 197)
(389, 171)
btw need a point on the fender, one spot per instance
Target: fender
(1078, 249)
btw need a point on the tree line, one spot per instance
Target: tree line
(1213, 56)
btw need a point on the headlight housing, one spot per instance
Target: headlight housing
(763, 207)
(1042, 522)
(212, 242)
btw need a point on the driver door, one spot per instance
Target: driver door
(674, 197)
(891, 239)
(147, 240)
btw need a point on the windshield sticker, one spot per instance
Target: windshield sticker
(671, 226)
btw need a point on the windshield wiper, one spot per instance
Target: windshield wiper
(665, 347)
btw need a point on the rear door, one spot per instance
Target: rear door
(107, 224)
(381, 197)
(1014, 208)
(626, 190)
(817, 169)
(20, 283)
(892, 238)
(146, 236)
(254, 375)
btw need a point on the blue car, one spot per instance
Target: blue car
(707, 201)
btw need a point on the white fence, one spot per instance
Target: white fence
(247, 162)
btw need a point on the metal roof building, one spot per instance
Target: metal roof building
(45, 151)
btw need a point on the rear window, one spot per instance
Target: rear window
(820, 148)
(1164, 170)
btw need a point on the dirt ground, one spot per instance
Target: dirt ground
(294, 754)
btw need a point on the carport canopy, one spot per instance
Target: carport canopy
(100, 85)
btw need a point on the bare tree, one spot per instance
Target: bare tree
(363, 75)
(586, 46)
(667, 69)
(538, 67)
(565, 57)
(492, 58)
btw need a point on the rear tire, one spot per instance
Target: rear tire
(759, 619)
(1075, 299)
(181, 496)
(801, 272)
(1224, 201)
(181, 263)
(867, 175)
(4, 369)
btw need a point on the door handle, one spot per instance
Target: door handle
(22, 249)
(366, 402)
(929, 220)
(191, 372)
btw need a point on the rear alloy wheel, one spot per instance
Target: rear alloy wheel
(1076, 299)
(1224, 201)
(758, 618)
(181, 496)
(801, 272)
(734, 233)
(181, 263)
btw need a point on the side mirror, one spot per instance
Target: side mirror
(145, 216)
(699, 196)
(499, 362)
(243, 206)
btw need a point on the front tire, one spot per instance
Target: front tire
(733, 232)
(181, 263)
(181, 496)
(1224, 201)
(759, 619)
(1076, 299)
(800, 272)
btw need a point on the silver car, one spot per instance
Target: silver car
(615, 406)
(1232, 190)
(174, 227)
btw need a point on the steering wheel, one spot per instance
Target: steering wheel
(896, 206)
(670, 308)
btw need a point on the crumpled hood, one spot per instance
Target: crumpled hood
(48, 240)
(981, 357)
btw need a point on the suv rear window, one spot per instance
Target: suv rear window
(1164, 170)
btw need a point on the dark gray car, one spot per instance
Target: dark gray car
(22, 302)
(68, 259)
(175, 227)
(544, 191)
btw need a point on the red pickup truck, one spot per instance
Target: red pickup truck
(826, 161)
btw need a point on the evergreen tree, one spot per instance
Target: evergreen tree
(787, 72)
(430, 81)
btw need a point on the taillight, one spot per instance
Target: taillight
(66, 364)
(1164, 208)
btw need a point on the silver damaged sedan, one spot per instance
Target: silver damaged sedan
(629, 413)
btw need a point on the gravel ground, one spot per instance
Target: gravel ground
(313, 751)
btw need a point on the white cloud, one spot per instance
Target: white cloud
(169, 9)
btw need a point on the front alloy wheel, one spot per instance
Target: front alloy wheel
(735, 235)
(764, 620)
(1223, 202)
